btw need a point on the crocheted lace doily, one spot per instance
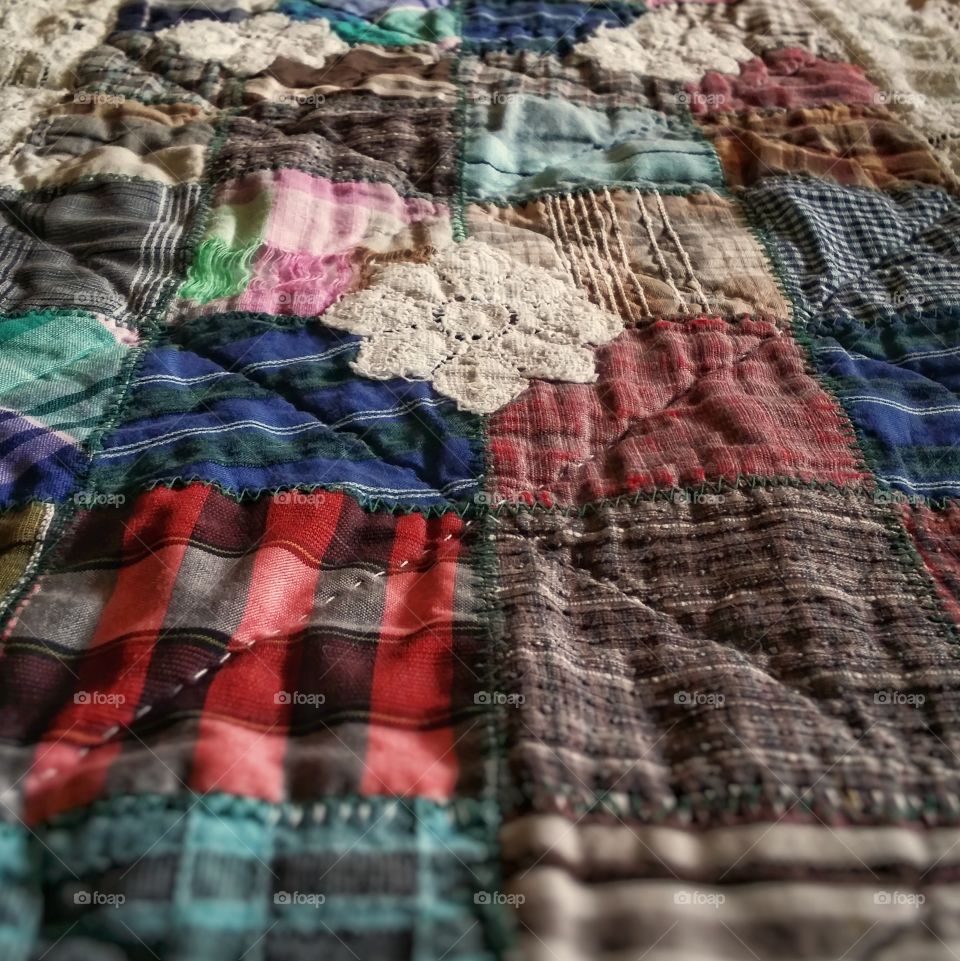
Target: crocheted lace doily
(475, 323)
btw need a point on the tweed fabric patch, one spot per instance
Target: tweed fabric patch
(675, 404)
(659, 699)
(273, 649)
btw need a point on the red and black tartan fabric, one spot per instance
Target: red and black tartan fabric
(277, 648)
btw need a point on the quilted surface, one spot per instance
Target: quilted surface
(479, 480)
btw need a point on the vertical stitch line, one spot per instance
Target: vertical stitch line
(595, 253)
(618, 236)
(602, 231)
(562, 230)
(576, 229)
(664, 270)
(672, 234)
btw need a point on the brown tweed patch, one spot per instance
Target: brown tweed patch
(768, 651)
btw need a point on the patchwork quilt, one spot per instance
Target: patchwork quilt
(479, 480)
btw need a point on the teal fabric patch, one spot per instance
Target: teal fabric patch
(522, 144)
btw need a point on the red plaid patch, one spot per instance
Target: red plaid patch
(278, 649)
(674, 404)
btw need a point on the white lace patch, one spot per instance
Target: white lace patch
(250, 46)
(476, 323)
(675, 43)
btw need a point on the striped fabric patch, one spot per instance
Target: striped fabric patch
(106, 246)
(278, 649)
(251, 403)
(901, 387)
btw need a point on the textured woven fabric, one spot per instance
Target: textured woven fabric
(479, 480)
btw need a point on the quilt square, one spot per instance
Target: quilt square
(381, 22)
(328, 877)
(855, 145)
(409, 146)
(642, 253)
(112, 247)
(252, 403)
(936, 536)
(522, 145)
(674, 404)
(900, 385)
(58, 376)
(287, 242)
(280, 649)
(854, 254)
(99, 135)
(491, 76)
(764, 654)
(542, 25)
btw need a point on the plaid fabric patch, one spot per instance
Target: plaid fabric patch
(279, 649)
(675, 404)
(852, 145)
(642, 254)
(849, 254)
(58, 373)
(761, 654)
(212, 877)
(900, 386)
(251, 403)
(286, 242)
(936, 536)
(109, 246)
(95, 136)
(789, 78)
(22, 533)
